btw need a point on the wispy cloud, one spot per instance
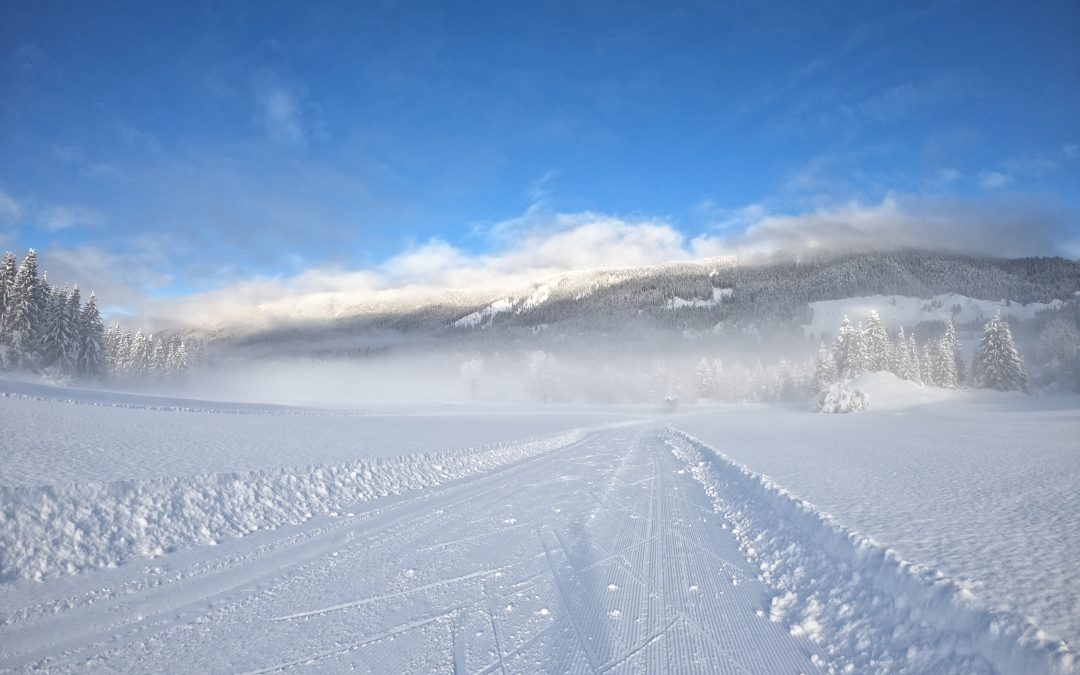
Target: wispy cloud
(10, 209)
(58, 217)
(282, 110)
(993, 180)
(553, 243)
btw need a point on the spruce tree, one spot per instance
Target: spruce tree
(56, 334)
(950, 346)
(998, 365)
(824, 368)
(92, 358)
(913, 358)
(876, 338)
(848, 351)
(24, 312)
(928, 364)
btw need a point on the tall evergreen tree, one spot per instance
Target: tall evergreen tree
(998, 365)
(92, 357)
(928, 364)
(876, 338)
(57, 335)
(824, 368)
(950, 346)
(848, 352)
(7, 278)
(913, 359)
(24, 312)
(945, 364)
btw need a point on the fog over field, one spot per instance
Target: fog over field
(561, 338)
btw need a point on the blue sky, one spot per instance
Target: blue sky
(163, 149)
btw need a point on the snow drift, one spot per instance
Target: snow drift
(51, 531)
(871, 610)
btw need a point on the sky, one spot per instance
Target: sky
(152, 151)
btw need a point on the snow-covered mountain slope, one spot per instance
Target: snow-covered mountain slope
(702, 296)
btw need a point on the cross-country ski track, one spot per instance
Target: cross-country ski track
(632, 549)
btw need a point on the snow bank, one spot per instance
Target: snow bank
(870, 610)
(888, 392)
(57, 530)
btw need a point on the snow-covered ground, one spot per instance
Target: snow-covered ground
(938, 535)
(52, 435)
(982, 487)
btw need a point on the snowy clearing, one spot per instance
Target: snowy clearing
(124, 437)
(935, 538)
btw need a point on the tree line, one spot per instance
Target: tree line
(48, 329)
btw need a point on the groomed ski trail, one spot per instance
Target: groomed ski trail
(602, 556)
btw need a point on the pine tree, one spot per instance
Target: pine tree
(24, 312)
(997, 363)
(945, 364)
(92, 353)
(57, 335)
(7, 278)
(913, 359)
(876, 339)
(928, 364)
(138, 361)
(848, 352)
(824, 368)
(950, 346)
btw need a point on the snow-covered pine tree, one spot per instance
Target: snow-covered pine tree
(56, 334)
(824, 368)
(998, 365)
(7, 277)
(913, 359)
(900, 364)
(138, 365)
(178, 362)
(124, 361)
(24, 312)
(945, 365)
(92, 358)
(848, 351)
(69, 359)
(950, 346)
(876, 339)
(159, 363)
(1059, 344)
(928, 364)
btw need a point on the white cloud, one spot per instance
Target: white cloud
(58, 217)
(281, 110)
(536, 245)
(10, 209)
(993, 180)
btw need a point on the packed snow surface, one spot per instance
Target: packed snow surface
(982, 487)
(936, 534)
(103, 437)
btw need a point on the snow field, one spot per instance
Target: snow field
(871, 610)
(49, 531)
(109, 439)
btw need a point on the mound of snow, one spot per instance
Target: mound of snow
(871, 610)
(840, 397)
(50, 531)
(889, 392)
